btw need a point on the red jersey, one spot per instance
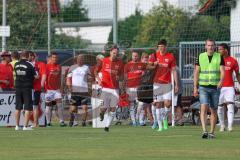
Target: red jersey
(134, 71)
(165, 64)
(41, 69)
(124, 100)
(111, 72)
(53, 72)
(6, 73)
(231, 65)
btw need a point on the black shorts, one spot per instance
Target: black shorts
(78, 99)
(36, 97)
(24, 99)
(145, 93)
(179, 101)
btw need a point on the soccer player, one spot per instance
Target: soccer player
(112, 73)
(53, 89)
(25, 74)
(6, 72)
(38, 85)
(145, 96)
(133, 72)
(77, 80)
(165, 63)
(209, 75)
(227, 93)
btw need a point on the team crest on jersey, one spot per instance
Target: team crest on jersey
(131, 69)
(117, 66)
(166, 60)
(228, 63)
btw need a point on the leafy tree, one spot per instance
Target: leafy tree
(175, 25)
(128, 29)
(73, 12)
(63, 41)
(29, 28)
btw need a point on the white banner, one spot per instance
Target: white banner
(7, 111)
(5, 31)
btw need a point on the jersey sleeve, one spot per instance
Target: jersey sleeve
(43, 68)
(173, 63)
(152, 58)
(126, 68)
(236, 67)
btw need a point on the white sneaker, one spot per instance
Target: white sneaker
(27, 128)
(222, 129)
(17, 128)
(230, 129)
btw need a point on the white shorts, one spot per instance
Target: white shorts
(110, 97)
(227, 94)
(132, 92)
(162, 92)
(52, 95)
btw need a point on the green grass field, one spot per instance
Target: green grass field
(121, 143)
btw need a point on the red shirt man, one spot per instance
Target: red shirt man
(162, 88)
(112, 72)
(53, 86)
(134, 71)
(227, 93)
(6, 72)
(53, 72)
(231, 65)
(41, 68)
(166, 62)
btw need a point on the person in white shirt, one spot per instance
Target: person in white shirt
(77, 81)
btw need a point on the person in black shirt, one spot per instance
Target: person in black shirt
(25, 74)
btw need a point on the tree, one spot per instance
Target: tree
(163, 21)
(29, 28)
(62, 41)
(74, 12)
(176, 25)
(128, 29)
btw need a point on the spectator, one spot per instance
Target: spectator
(15, 58)
(6, 72)
(209, 75)
(25, 74)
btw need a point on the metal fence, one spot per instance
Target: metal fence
(188, 52)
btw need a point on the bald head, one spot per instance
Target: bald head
(80, 59)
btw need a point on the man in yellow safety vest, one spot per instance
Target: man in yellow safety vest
(208, 79)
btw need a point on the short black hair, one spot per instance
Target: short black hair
(114, 46)
(15, 55)
(53, 54)
(162, 42)
(25, 53)
(225, 46)
(31, 53)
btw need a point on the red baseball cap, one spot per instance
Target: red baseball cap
(5, 53)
